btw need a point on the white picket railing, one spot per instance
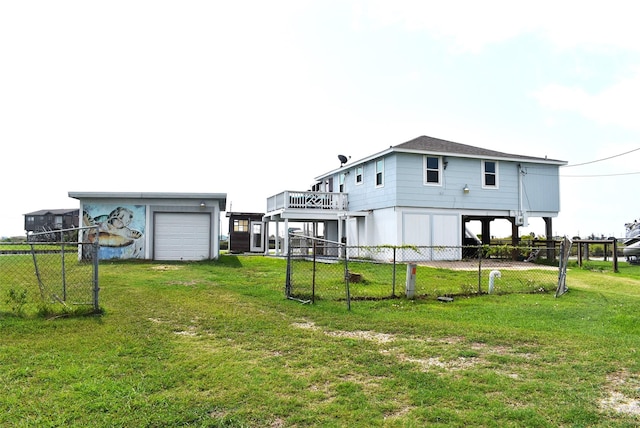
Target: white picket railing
(307, 200)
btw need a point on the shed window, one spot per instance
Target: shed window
(432, 170)
(380, 173)
(240, 225)
(359, 174)
(490, 174)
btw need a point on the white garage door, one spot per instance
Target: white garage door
(181, 236)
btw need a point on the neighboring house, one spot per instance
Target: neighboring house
(423, 193)
(246, 232)
(51, 220)
(156, 226)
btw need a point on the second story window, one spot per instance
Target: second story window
(490, 174)
(342, 176)
(359, 174)
(432, 170)
(380, 173)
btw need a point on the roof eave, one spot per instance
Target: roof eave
(440, 153)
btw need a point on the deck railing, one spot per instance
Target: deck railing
(307, 200)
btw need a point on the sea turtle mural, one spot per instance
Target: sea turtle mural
(120, 233)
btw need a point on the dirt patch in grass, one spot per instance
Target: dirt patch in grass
(472, 265)
(437, 362)
(166, 267)
(182, 283)
(371, 336)
(459, 363)
(622, 393)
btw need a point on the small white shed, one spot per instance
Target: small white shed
(153, 225)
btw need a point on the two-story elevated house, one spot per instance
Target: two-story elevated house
(423, 193)
(51, 220)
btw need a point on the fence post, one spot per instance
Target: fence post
(313, 280)
(64, 275)
(37, 270)
(96, 283)
(615, 255)
(480, 249)
(393, 282)
(287, 284)
(579, 253)
(346, 276)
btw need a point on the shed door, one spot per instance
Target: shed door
(256, 236)
(182, 236)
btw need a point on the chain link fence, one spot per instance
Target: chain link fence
(319, 269)
(45, 275)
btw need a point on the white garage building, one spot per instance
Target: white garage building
(154, 226)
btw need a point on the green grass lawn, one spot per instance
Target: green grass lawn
(216, 344)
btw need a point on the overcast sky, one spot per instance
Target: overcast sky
(251, 98)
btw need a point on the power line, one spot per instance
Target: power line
(600, 175)
(603, 159)
(583, 175)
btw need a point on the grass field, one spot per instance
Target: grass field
(216, 344)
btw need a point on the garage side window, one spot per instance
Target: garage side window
(240, 225)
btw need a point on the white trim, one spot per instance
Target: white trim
(361, 167)
(497, 174)
(252, 247)
(375, 167)
(506, 158)
(424, 171)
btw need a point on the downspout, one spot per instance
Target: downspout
(520, 191)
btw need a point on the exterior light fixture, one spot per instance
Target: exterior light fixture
(202, 204)
(465, 189)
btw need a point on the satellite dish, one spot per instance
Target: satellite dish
(343, 159)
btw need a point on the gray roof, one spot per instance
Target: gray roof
(436, 145)
(55, 212)
(221, 198)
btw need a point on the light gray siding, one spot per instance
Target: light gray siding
(541, 188)
(367, 196)
(404, 186)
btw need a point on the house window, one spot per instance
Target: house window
(359, 174)
(380, 173)
(432, 170)
(240, 225)
(342, 176)
(490, 174)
